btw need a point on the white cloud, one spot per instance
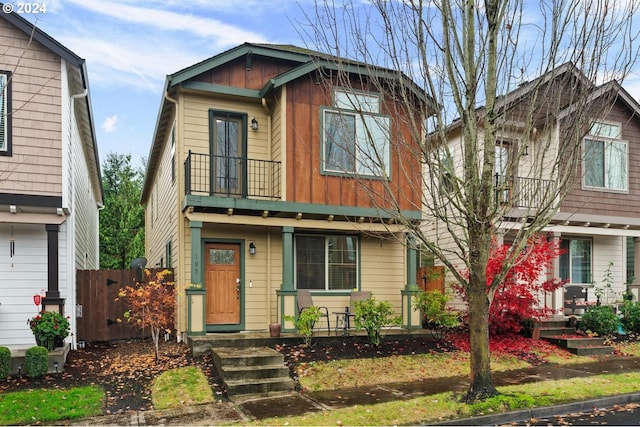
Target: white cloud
(109, 124)
(222, 34)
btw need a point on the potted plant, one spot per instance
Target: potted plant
(49, 329)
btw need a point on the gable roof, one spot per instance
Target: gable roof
(304, 61)
(80, 83)
(566, 72)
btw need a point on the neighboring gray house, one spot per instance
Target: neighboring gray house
(50, 184)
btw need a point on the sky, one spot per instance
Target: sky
(130, 46)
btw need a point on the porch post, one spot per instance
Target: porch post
(196, 296)
(635, 285)
(52, 300)
(196, 252)
(555, 300)
(287, 293)
(411, 319)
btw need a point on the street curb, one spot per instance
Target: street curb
(546, 411)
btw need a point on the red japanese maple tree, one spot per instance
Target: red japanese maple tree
(516, 299)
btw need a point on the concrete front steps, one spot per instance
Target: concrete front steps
(558, 332)
(255, 371)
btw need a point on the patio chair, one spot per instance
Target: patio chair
(355, 297)
(304, 300)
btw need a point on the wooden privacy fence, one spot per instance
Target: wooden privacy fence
(431, 278)
(98, 311)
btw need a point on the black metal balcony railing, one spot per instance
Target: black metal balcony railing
(521, 192)
(206, 174)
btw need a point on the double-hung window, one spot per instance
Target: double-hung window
(5, 113)
(326, 262)
(356, 137)
(575, 262)
(606, 158)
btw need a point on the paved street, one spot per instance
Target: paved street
(619, 415)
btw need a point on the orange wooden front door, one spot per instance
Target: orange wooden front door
(222, 281)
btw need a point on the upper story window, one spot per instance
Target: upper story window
(356, 137)
(606, 158)
(5, 113)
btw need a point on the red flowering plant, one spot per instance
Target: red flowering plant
(49, 328)
(516, 298)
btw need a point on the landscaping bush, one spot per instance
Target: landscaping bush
(631, 317)
(372, 315)
(600, 320)
(305, 322)
(435, 315)
(5, 362)
(36, 361)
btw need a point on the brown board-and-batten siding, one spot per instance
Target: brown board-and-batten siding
(99, 307)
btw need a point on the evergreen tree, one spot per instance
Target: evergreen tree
(122, 219)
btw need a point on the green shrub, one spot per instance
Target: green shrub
(5, 362)
(435, 315)
(372, 315)
(600, 320)
(631, 317)
(36, 361)
(305, 321)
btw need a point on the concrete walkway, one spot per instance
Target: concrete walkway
(246, 408)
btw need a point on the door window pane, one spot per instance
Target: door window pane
(221, 256)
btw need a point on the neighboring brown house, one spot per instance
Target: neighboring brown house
(260, 182)
(597, 224)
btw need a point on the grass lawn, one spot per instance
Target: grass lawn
(45, 406)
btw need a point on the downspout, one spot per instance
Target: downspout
(181, 300)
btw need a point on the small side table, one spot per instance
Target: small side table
(342, 318)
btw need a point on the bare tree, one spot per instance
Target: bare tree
(517, 85)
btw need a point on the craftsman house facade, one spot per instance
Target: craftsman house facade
(51, 190)
(260, 183)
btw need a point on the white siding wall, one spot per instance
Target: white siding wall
(23, 275)
(609, 249)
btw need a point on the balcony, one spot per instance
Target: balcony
(224, 176)
(521, 192)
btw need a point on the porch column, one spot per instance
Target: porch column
(52, 300)
(287, 292)
(196, 297)
(635, 285)
(555, 300)
(196, 252)
(411, 319)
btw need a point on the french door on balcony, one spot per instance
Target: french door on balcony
(228, 141)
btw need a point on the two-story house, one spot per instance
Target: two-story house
(267, 174)
(50, 185)
(561, 126)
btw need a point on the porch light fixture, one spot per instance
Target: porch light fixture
(254, 124)
(252, 248)
(525, 152)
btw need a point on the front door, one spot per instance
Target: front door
(222, 281)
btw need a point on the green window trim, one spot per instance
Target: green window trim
(326, 262)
